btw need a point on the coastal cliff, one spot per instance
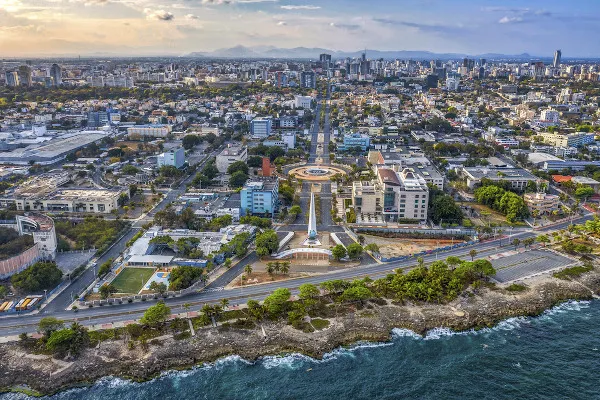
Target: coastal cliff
(41, 374)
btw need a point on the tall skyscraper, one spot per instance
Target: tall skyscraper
(56, 74)
(25, 75)
(325, 60)
(557, 57)
(12, 78)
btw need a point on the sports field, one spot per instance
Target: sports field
(131, 280)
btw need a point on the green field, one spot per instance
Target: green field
(131, 280)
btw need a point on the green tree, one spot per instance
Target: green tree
(238, 179)
(106, 290)
(37, 277)
(268, 241)
(338, 252)
(584, 192)
(355, 250)
(47, 325)
(68, 341)
(237, 166)
(472, 253)
(543, 239)
(372, 247)
(255, 161)
(357, 293)
(516, 242)
(276, 302)
(248, 269)
(308, 291)
(156, 315)
(160, 288)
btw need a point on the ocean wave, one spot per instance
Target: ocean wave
(571, 305)
(402, 332)
(290, 361)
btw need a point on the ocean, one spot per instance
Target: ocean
(553, 356)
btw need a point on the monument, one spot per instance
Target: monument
(312, 238)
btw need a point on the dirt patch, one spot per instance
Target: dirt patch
(390, 247)
(256, 278)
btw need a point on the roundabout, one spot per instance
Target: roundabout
(316, 172)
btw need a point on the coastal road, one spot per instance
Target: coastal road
(12, 325)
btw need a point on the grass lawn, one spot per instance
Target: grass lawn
(131, 280)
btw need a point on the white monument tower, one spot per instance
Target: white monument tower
(312, 238)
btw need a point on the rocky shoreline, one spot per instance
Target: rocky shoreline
(41, 375)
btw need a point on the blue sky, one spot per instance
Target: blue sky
(132, 27)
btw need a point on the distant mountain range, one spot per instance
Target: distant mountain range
(313, 53)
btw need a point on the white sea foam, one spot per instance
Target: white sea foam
(401, 332)
(571, 305)
(290, 361)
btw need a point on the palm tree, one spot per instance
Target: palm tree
(270, 268)
(224, 303)
(420, 262)
(516, 242)
(248, 269)
(186, 307)
(285, 267)
(473, 253)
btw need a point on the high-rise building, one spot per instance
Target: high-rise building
(307, 79)
(260, 197)
(56, 74)
(12, 78)
(325, 60)
(557, 57)
(281, 79)
(24, 75)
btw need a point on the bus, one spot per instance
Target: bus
(24, 304)
(3, 306)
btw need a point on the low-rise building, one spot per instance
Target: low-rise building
(517, 177)
(160, 131)
(569, 140)
(229, 155)
(541, 203)
(175, 158)
(354, 140)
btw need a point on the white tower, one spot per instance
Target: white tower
(312, 219)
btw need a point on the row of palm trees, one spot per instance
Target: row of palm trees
(278, 267)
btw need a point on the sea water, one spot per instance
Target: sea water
(553, 356)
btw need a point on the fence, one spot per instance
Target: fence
(422, 231)
(427, 252)
(19, 262)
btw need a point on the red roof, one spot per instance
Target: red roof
(561, 178)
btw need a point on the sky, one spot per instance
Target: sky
(157, 27)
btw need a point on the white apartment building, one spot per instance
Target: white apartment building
(302, 101)
(150, 130)
(550, 116)
(396, 195)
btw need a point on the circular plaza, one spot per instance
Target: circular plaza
(316, 172)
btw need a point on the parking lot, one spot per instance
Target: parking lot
(522, 265)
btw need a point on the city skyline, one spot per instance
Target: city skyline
(149, 27)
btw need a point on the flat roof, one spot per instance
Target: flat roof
(150, 259)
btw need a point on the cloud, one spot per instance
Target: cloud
(191, 17)
(347, 27)
(281, 23)
(510, 20)
(432, 28)
(158, 15)
(301, 7)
